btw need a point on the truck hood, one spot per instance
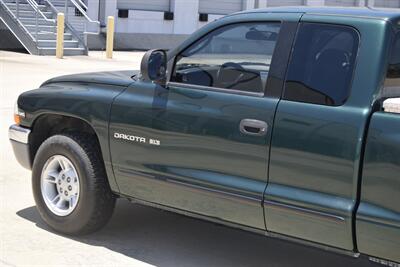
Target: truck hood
(117, 78)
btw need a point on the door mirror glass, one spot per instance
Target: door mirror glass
(154, 66)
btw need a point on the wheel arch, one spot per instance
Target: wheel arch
(48, 124)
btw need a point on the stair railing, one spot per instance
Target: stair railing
(37, 10)
(96, 23)
(82, 7)
(16, 17)
(38, 13)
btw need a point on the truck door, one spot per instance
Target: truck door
(317, 136)
(202, 144)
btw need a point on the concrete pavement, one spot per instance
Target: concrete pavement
(136, 235)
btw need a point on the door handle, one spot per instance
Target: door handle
(253, 127)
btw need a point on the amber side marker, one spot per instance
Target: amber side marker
(17, 119)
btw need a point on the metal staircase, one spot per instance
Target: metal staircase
(34, 24)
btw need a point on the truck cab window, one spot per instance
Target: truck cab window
(236, 56)
(393, 74)
(322, 64)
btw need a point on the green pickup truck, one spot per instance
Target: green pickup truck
(282, 122)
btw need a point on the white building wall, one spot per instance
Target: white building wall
(388, 3)
(153, 5)
(275, 3)
(139, 21)
(110, 8)
(186, 16)
(186, 12)
(148, 24)
(93, 9)
(348, 3)
(221, 6)
(315, 2)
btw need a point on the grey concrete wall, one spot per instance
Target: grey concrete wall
(137, 41)
(8, 40)
(147, 41)
(2, 25)
(123, 41)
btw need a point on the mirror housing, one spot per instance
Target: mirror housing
(154, 66)
(257, 35)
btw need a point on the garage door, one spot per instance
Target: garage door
(220, 6)
(151, 5)
(387, 3)
(285, 2)
(341, 2)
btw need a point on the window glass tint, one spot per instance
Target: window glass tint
(393, 74)
(236, 57)
(322, 64)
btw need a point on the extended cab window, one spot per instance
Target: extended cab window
(235, 57)
(393, 75)
(322, 64)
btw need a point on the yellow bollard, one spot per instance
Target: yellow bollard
(110, 37)
(60, 36)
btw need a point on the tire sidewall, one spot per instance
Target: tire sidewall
(67, 147)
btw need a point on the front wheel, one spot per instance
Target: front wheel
(70, 185)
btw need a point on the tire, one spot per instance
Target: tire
(94, 202)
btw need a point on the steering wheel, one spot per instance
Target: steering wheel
(224, 83)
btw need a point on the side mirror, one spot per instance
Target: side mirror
(154, 66)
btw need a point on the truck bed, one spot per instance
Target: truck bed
(378, 216)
